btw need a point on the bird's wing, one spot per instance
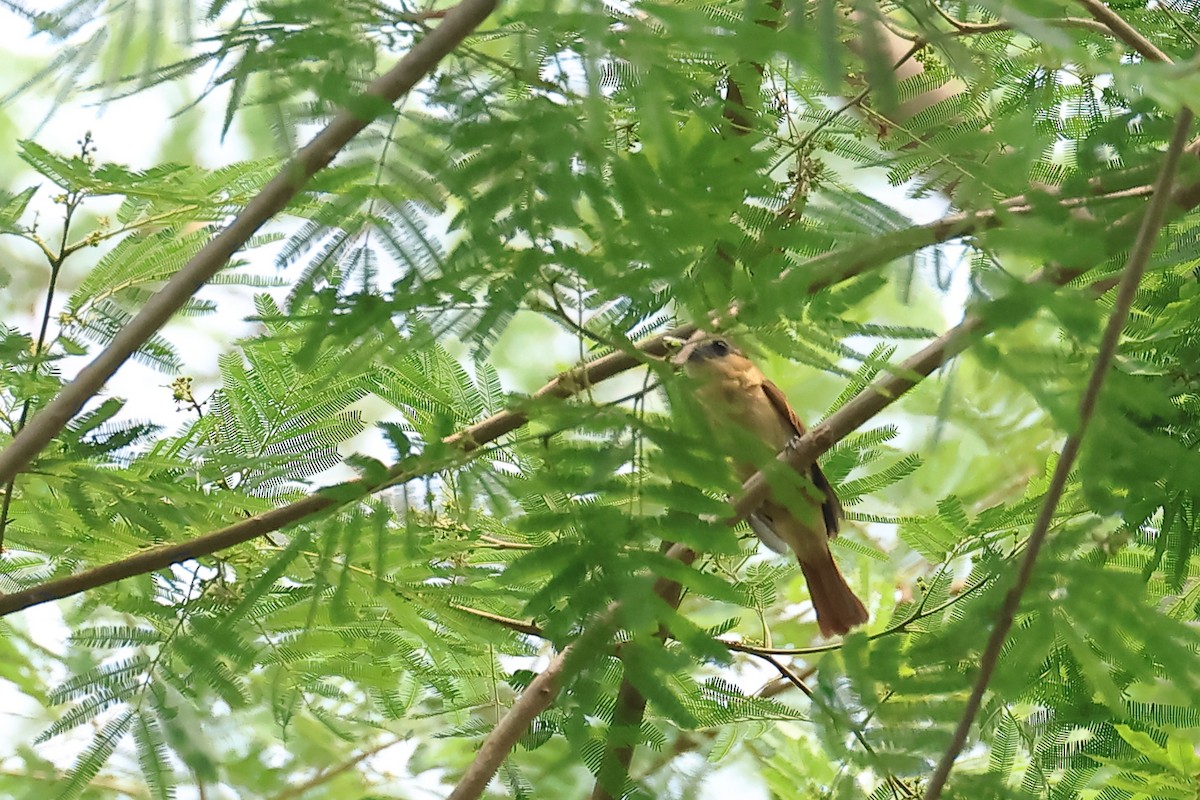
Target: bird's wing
(764, 529)
(831, 507)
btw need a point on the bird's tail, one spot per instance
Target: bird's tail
(838, 608)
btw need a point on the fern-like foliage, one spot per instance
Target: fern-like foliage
(569, 181)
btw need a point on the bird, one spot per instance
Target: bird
(734, 395)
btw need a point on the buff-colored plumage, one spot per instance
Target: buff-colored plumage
(733, 391)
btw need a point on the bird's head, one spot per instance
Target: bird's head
(713, 358)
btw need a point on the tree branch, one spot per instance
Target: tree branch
(630, 708)
(623, 734)
(465, 442)
(536, 698)
(325, 776)
(815, 274)
(518, 625)
(787, 674)
(1124, 31)
(1117, 25)
(804, 450)
(961, 29)
(459, 22)
(1139, 256)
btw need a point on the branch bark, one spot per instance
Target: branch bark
(802, 451)
(630, 708)
(1139, 256)
(1124, 31)
(536, 698)
(815, 274)
(623, 735)
(1153, 220)
(458, 23)
(466, 441)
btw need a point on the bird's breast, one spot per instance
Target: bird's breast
(742, 404)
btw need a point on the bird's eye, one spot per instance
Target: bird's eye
(720, 347)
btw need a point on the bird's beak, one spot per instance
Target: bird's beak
(690, 352)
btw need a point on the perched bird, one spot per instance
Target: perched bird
(735, 395)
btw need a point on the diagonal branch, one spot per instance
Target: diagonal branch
(787, 674)
(536, 698)
(327, 775)
(1139, 256)
(1124, 31)
(458, 23)
(804, 450)
(816, 274)
(464, 443)
(630, 708)
(624, 732)
(542, 690)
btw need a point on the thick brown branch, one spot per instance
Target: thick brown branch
(630, 708)
(467, 440)
(816, 274)
(623, 735)
(541, 692)
(1124, 31)
(804, 450)
(1139, 256)
(536, 698)
(459, 22)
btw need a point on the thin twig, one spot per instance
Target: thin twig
(833, 267)
(853, 102)
(1170, 12)
(71, 202)
(1139, 256)
(963, 28)
(325, 776)
(899, 627)
(518, 625)
(787, 674)
(504, 544)
(459, 22)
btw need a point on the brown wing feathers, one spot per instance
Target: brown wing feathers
(831, 507)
